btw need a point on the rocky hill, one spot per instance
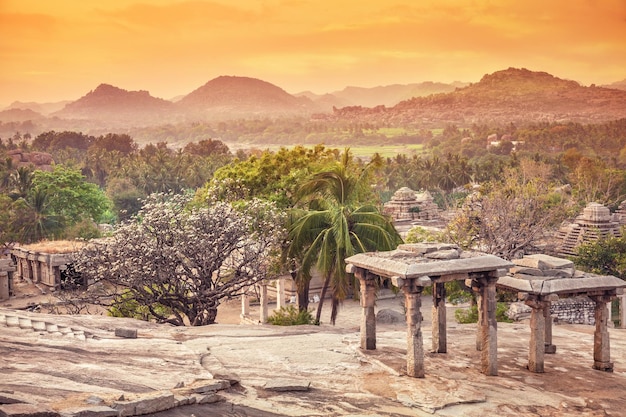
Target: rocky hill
(230, 96)
(43, 108)
(115, 105)
(386, 95)
(511, 95)
(19, 115)
(618, 85)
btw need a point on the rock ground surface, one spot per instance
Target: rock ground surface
(322, 369)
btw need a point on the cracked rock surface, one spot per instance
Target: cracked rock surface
(226, 369)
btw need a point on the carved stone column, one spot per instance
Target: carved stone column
(601, 341)
(439, 329)
(245, 305)
(537, 346)
(415, 344)
(549, 347)
(263, 300)
(622, 311)
(479, 327)
(368, 315)
(280, 293)
(489, 325)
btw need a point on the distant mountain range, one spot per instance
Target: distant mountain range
(510, 95)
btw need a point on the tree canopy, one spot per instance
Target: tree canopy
(185, 258)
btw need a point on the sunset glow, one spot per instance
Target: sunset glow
(59, 50)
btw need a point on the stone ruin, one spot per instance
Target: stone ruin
(38, 266)
(541, 281)
(595, 222)
(7, 268)
(621, 213)
(413, 267)
(406, 204)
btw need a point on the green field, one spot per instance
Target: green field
(361, 151)
(386, 151)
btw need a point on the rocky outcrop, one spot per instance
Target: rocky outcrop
(39, 160)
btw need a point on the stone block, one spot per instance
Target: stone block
(443, 254)
(209, 398)
(26, 410)
(543, 262)
(12, 321)
(211, 386)
(525, 270)
(90, 411)
(126, 333)
(281, 385)
(146, 404)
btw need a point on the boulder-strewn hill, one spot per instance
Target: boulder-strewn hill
(240, 96)
(115, 105)
(505, 96)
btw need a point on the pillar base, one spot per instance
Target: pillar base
(550, 348)
(603, 366)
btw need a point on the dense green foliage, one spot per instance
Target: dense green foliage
(606, 256)
(470, 315)
(508, 195)
(290, 316)
(338, 223)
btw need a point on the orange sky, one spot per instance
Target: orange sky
(61, 49)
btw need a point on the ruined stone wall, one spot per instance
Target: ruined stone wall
(578, 310)
(575, 310)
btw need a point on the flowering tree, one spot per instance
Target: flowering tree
(180, 261)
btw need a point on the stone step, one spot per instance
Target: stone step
(34, 324)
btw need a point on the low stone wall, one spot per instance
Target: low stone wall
(575, 310)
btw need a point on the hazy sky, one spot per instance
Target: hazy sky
(61, 49)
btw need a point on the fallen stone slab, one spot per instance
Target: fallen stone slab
(26, 410)
(126, 333)
(211, 386)
(90, 411)
(287, 385)
(206, 398)
(147, 404)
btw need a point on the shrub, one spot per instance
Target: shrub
(291, 316)
(465, 316)
(125, 305)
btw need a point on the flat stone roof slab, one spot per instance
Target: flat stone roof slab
(413, 264)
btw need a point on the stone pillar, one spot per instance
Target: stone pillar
(415, 344)
(537, 345)
(263, 300)
(36, 273)
(489, 326)
(280, 293)
(622, 311)
(479, 328)
(368, 315)
(245, 305)
(601, 341)
(439, 318)
(549, 347)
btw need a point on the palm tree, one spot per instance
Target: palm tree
(337, 225)
(36, 221)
